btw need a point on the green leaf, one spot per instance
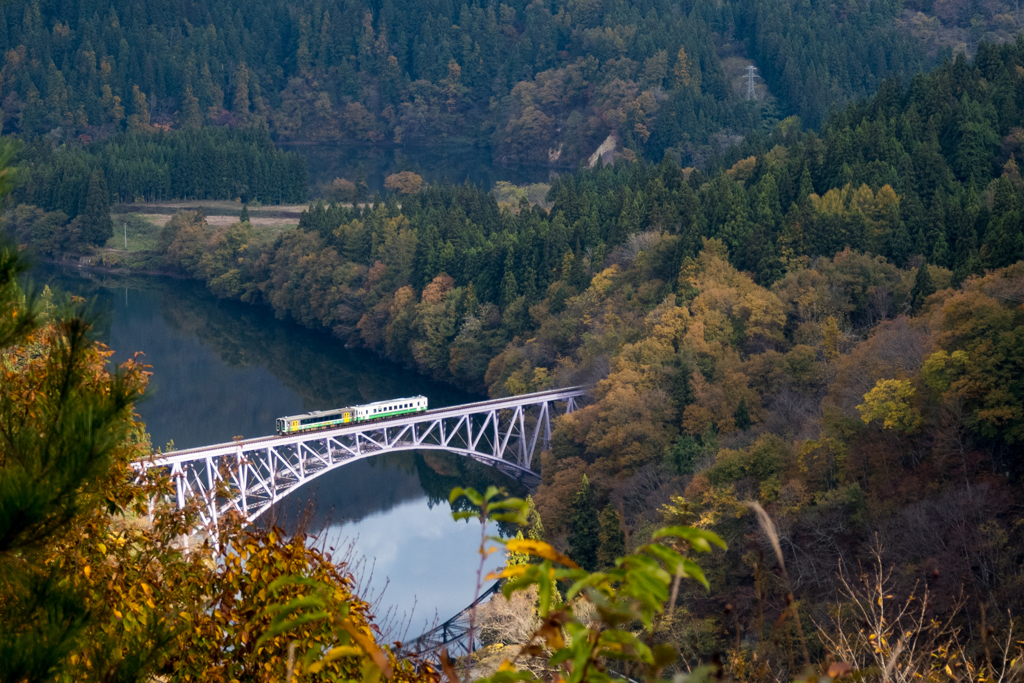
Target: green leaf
(693, 570)
(670, 558)
(474, 497)
(544, 587)
(514, 517)
(630, 640)
(281, 611)
(699, 539)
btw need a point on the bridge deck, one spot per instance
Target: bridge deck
(273, 440)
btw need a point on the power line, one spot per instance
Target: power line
(751, 95)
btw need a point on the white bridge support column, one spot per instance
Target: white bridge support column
(504, 433)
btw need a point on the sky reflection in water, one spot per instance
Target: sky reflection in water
(223, 369)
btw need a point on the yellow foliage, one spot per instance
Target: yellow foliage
(743, 169)
(889, 401)
(603, 281)
(729, 301)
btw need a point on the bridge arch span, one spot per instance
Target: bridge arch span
(257, 473)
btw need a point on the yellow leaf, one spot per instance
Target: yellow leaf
(539, 549)
(506, 666)
(367, 643)
(87, 570)
(508, 572)
(102, 548)
(118, 614)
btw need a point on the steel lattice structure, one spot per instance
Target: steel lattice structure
(452, 635)
(259, 472)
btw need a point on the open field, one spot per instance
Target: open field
(139, 232)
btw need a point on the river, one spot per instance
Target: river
(223, 369)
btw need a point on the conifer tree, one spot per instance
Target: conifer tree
(535, 527)
(52, 460)
(923, 287)
(613, 541)
(240, 104)
(742, 415)
(97, 227)
(139, 119)
(244, 216)
(584, 531)
(190, 118)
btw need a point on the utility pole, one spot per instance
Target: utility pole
(125, 226)
(751, 95)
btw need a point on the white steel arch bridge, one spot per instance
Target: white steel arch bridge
(257, 473)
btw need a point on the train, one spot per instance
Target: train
(325, 419)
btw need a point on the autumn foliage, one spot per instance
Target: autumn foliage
(102, 576)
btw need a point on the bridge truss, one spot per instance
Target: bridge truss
(250, 476)
(452, 635)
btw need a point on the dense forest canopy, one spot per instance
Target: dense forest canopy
(540, 82)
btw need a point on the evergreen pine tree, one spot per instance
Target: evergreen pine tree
(244, 216)
(240, 104)
(97, 227)
(584, 533)
(509, 286)
(806, 186)
(923, 288)
(139, 119)
(898, 244)
(190, 118)
(52, 460)
(742, 415)
(682, 458)
(534, 525)
(613, 541)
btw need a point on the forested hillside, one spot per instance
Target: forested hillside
(537, 82)
(64, 194)
(828, 322)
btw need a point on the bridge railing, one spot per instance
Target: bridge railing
(257, 473)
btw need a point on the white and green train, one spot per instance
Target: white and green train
(323, 419)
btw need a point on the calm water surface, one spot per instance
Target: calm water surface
(223, 369)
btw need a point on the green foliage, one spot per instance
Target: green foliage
(762, 460)
(923, 288)
(613, 540)
(205, 164)
(639, 591)
(683, 457)
(584, 529)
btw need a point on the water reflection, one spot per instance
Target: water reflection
(223, 368)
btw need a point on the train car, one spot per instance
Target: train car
(325, 419)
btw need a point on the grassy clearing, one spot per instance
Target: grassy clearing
(141, 233)
(143, 229)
